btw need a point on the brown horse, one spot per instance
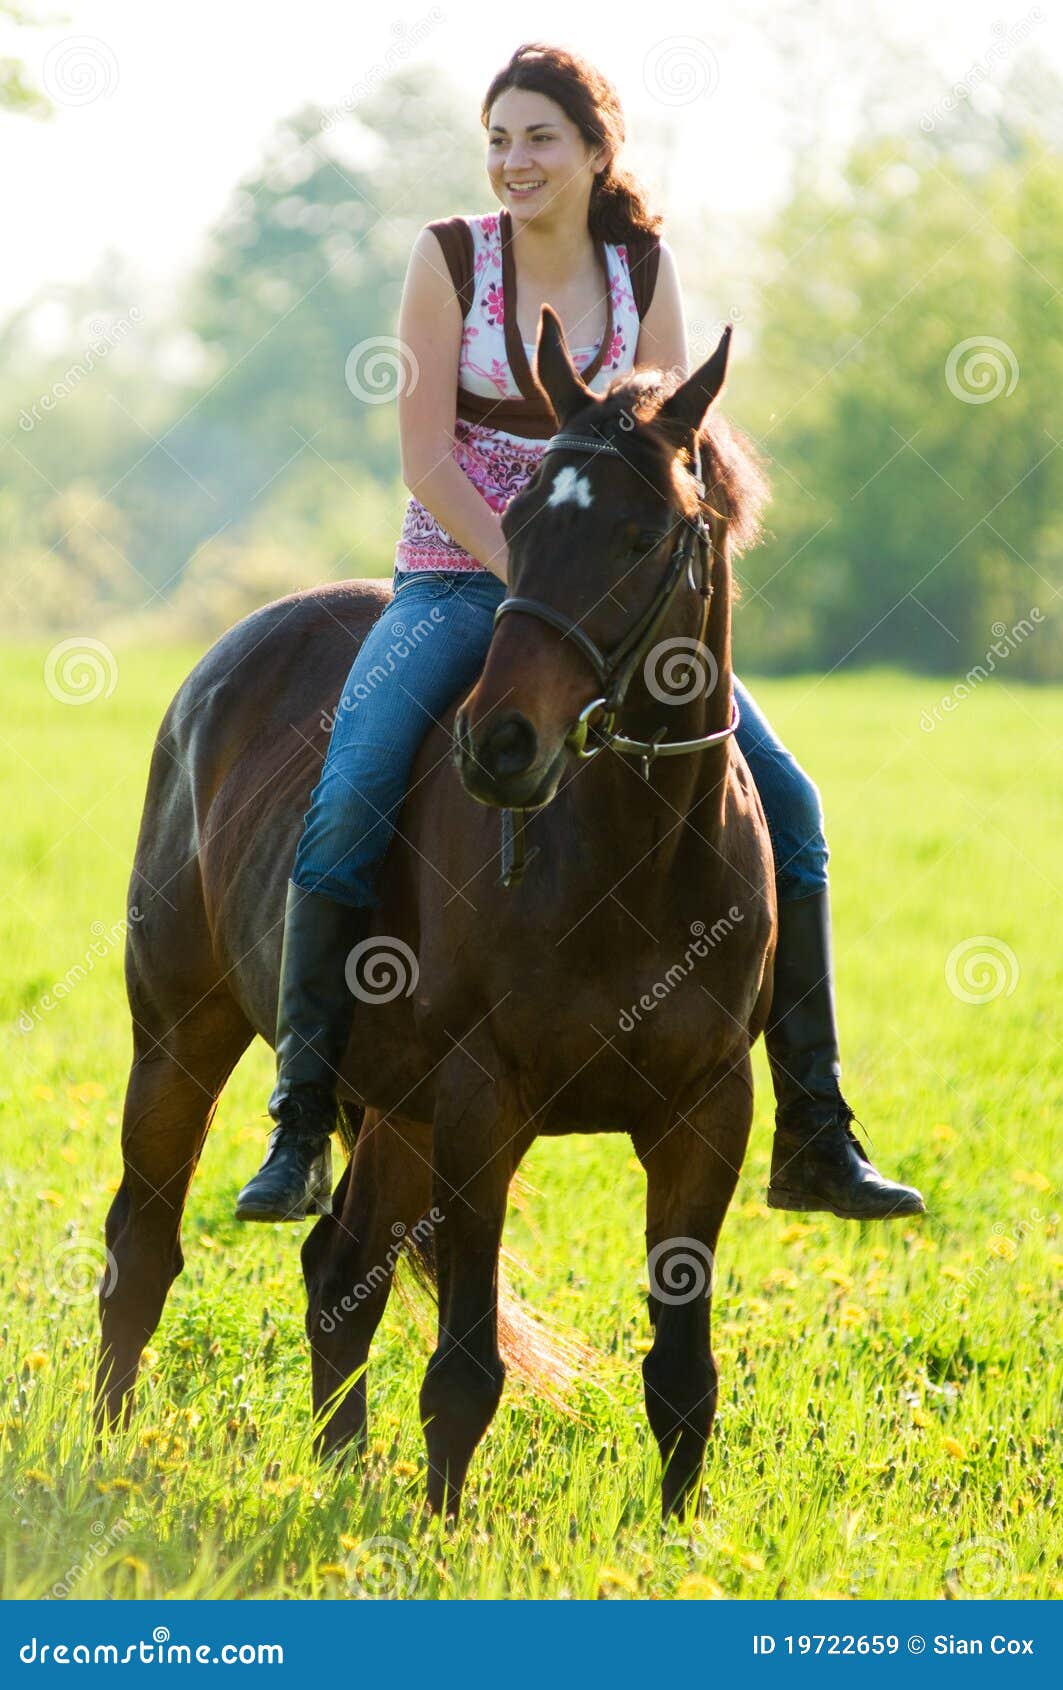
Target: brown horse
(617, 988)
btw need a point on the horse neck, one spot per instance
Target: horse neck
(641, 824)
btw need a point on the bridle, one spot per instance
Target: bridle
(616, 669)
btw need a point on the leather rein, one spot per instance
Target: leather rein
(616, 669)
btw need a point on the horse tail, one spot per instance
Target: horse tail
(548, 1359)
(349, 1118)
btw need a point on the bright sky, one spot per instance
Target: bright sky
(164, 107)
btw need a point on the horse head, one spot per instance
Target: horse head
(613, 556)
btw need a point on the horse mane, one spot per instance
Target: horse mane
(732, 467)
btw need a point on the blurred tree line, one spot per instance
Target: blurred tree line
(169, 467)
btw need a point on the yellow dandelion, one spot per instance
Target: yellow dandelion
(948, 1272)
(49, 1196)
(135, 1562)
(1004, 1247)
(207, 1243)
(836, 1277)
(45, 1093)
(38, 1476)
(698, 1587)
(86, 1091)
(852, 1315)
(1035, 1181)
(953, 1447)
(331, 1569)
(921, 1418)
(611, 1579)
(943, 1133)
(405, 1470)
(36, 1359)
(754, 1211)
(751, 1563)
(794, 1233)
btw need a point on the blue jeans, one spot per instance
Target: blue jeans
(425, 650)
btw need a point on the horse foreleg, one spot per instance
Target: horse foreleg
(478, 1143)
(174, 1084)
(349, 1261)
(692, 1169)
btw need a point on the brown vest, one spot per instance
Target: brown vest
(531, 416)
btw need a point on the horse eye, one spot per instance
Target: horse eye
(642, 545)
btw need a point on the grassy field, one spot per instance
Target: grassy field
(889, 1402)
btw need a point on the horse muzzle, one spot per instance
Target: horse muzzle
(504, 766)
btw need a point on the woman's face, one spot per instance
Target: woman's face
(538, 163)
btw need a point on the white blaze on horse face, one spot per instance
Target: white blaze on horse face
(570, 484)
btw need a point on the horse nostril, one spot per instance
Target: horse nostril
(510, 747)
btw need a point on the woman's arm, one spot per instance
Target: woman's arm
(430, 325)
(663, 335)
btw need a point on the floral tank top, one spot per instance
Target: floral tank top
(502, 423)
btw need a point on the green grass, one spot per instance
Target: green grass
(889, 1394)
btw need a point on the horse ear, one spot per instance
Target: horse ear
(554, 370)
(685, 410)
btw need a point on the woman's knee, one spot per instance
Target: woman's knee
(797, 832)
(804, 805)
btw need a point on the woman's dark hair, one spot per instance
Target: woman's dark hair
(618, 205)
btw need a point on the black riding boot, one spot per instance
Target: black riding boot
(817, 1162)
(315, 1012)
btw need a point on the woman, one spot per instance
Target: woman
(574, 230)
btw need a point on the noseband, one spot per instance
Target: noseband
(616, 669)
